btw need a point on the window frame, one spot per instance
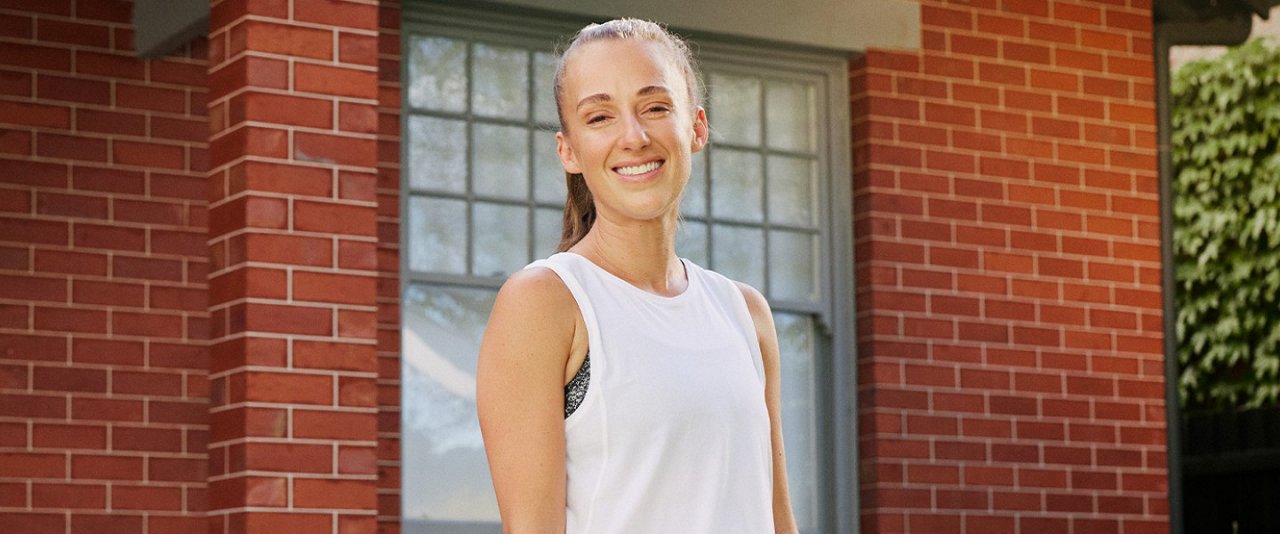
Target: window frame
(836, 355)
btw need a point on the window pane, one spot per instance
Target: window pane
(691, 242)
(800, 412)
(437, 154)
(548, 179)
(695, 193)
(738, 253)
(793, 266)
(437, 242)
(445, 475)
(437, 74)
(502, 238)
(789, 114)
(737, 184)
(547, 227)
(792, 191)
(544, 99)
(501, 82)
(501, 158)
(735, 108)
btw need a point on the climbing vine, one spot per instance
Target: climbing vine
(1226, 153)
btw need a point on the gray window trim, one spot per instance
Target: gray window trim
(836, 319)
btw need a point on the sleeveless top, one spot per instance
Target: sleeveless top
(673, 432)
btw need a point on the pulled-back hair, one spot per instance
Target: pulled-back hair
(579, 206)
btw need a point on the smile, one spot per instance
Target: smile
(642, 168)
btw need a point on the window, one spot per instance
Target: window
(759, 208)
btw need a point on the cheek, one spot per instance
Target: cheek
(594, 151)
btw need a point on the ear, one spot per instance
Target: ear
(701, 132)
(568, 159)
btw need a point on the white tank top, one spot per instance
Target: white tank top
(673, 433)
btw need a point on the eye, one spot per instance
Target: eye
(658, 108)
(596, 119)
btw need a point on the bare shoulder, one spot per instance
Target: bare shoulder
(519, 396)
(761, 315)
(756, 304)
(534, 319)
(538, 294)
(539, 288)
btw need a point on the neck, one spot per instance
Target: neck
(640, 252)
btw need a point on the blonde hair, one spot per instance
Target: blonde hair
(579, 206)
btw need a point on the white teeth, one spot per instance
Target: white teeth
(639, 169)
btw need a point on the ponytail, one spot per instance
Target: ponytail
(579, 212)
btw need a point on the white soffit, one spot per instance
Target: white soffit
(851, 25)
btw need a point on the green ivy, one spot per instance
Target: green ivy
(1226, 128)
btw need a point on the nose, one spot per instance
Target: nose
(634, 135)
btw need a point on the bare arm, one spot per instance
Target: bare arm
(520, 398)
(784, 521)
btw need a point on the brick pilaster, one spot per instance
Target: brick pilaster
(293, 274)
(389, 267)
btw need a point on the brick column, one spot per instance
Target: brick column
(293, 270)
(389, 267)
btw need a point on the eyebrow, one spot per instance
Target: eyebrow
(603, 97)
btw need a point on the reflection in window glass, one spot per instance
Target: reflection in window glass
(789, 115)
(501, 79)
(799, 406)
(501, 238)
(437, 73)
(738, 252)
(793, 188)
(793, 266)
(544, 99)
(735, 108)
(438, 154)
(445, 475)
(436, 243)
(548, 175)
(501, 158)
(691, 242)
(737, 184)
(694, 202)
(548, 225)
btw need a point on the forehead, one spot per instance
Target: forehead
(619, 67)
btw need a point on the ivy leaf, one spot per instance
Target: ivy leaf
(1226, 151)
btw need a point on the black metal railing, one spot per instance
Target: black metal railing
(1231, 466)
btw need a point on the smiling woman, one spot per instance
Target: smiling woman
(679, 428)
(632, 149)
(594, 108)
(486, 194)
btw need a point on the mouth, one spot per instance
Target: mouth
(639, 171)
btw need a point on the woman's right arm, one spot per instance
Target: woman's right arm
(520, 398)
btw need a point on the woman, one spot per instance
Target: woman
(621, 388)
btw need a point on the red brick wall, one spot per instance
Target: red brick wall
(1007, 230)
(389, 267)
(103, 314)
(293, 93)
(1009, 327)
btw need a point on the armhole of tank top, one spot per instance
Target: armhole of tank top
(588, 318)
(748, 324)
